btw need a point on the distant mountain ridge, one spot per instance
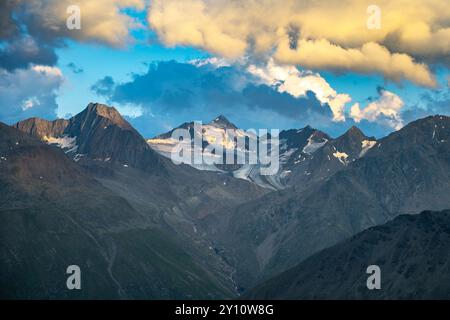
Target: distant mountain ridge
(297, 151)
(92, 132)
(317, 157)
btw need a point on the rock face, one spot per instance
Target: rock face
(42, 128)
(100, 133)
(311, 156)
(412, 252)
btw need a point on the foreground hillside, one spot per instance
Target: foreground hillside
(412, 252)
(54, 214)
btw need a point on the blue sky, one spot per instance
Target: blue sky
(99, 61)
(149, 63)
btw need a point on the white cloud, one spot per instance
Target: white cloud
(385, 109)
(29, 92)
(30, 103)
(370, 58)
(50, 72)
(297, 83)
(213, 61)
(332, 34)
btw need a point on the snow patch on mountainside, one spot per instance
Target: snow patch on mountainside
(68, 144)
(220, 137)
(163, 146)
(243, 172)
(366, 145)
(216, 136)
(285, 156)
(341, 156)
(313, 146)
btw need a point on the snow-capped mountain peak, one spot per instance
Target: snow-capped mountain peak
(222, 122)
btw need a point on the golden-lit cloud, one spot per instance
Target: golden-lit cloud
(330, 34)
(101, 20)
(298, 82)
(385, 109)
(370, 58)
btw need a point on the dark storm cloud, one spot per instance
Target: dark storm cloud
(182, 91)
(8, 27)
(265, 97)
(24, 51)
(19, 46)
(27, 88)
(172, 86)
(104, 87)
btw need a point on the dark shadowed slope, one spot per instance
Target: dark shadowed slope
(173, 198)
(412, 251)
(406, 172)
(54, 214)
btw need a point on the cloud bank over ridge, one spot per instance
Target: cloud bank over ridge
(330, 35)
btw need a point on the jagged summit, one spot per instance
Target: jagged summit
(168, 135)
(354, 131)
(107, 112)
(103, 110)
(352, 139)
(222, 122)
